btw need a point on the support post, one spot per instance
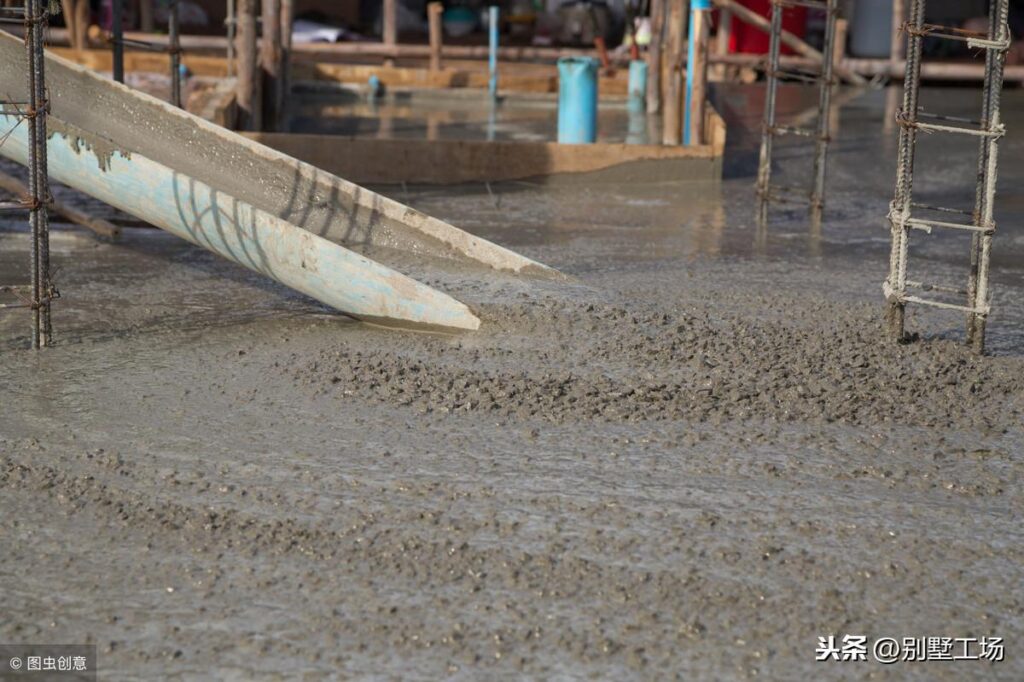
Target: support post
(231, 26)
(389, 27)
(697, 71)
(249, 101)
(270, 62)
(722, 39)
(654, 51)
(285, 70)
(897, 49)
(673, 120)
(434, 12)
(146, 21)
(83, 13)
(839, 43)
(118, 39)
(73, 17)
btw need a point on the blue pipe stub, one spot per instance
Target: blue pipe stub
(492, 52)
(577, 100)
(637, 85)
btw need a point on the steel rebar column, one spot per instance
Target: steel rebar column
(824, 119)
(39, 189)
(764, 170)
(899, 210)
(117, 39)
(174, 47)
(984, 210)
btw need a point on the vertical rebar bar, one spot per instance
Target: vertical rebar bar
(900, 209)
(764, 170)
(33, 177)
(984, 213)
(824, 132)
(42, 288)
(118, 39)
(979, 192)
(174, 35)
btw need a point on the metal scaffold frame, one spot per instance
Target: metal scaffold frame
(820, 133)
(989, 130)
(33, 111)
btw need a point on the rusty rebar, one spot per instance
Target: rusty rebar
(981, 243)
(900, 209)
(821, 133)
(118, 40)
(174, 48)
(39, 191)
(824, 105)
(764, 169)
(990, 131)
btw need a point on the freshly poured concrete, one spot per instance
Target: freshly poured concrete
(455, 115)
(690, 463)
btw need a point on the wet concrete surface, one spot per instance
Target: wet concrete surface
(462, 115)
(690, 462)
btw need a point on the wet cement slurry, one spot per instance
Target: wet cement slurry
(690, 462)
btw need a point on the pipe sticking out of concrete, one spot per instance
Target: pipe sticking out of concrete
(492, 59)
(577, 100)
(637, 86)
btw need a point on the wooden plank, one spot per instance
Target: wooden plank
(526, 78)
(388, 161)
(104, 228)
(143, 62)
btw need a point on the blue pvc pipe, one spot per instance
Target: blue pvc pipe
(637, 85)
(492, 85)
(695, 6)
(577, 100)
